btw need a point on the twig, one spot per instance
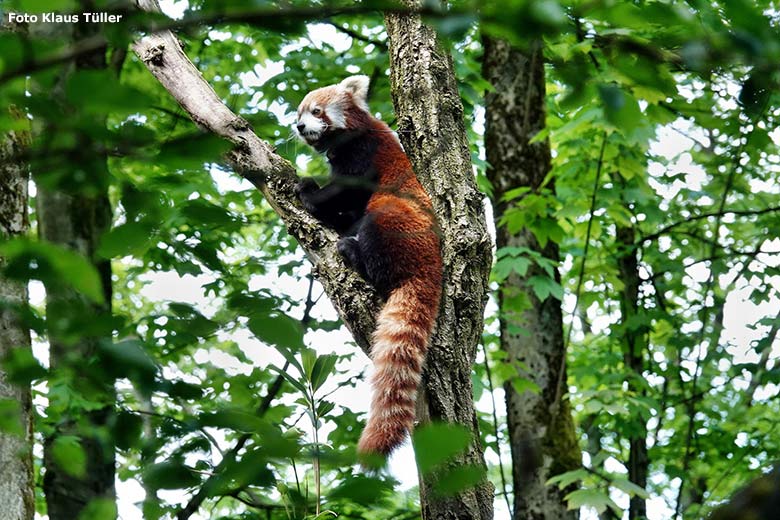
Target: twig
(356, 35)
(559, 389)
(495, 431)
(205, 490)
(718, 214)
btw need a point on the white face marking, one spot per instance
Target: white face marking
(309, 127)
(336, 116)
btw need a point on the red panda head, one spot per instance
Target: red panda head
(333, 109)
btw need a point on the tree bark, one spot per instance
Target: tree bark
(432, 130)
(541, 429)
(758, 500)
(633, 346)
(77, 222)
(17, 484)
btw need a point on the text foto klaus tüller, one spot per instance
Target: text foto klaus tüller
(63, 18)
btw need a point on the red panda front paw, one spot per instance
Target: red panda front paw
(349, 249)
(304, 190)
(306, 185)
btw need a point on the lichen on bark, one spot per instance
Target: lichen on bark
(17, 501)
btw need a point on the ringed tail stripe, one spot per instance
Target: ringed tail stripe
(400, 343)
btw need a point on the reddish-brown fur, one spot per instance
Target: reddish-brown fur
(404, 226)
(404, 215)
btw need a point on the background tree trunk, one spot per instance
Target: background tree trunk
(633, 346)
(77, 222)
(432, 130)
(17, 498)
(541, 429)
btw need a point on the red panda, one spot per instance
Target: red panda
(389, 234)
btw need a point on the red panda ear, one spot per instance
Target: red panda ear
(358, 87)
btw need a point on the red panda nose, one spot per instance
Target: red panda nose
(300, 127)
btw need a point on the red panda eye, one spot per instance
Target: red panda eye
(316, 111)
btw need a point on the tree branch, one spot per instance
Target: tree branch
(133, 21)
(254, 159)
(719, 214)
(356, 35)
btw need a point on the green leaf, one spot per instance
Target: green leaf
(51, 264)
(279, 330)
(629, 487)
(590, 498)
(192, 152)
(127, 430)
(436, 443)
(99, 509)
(206, 213)
(69, 455)
(544, 286)
(308, 358)
(100, 91)
(251, 469)
(11, 418)
(237, 419)
(170, 475)
(322, 370)
(506, 265)
(522, 384)
(133, 238)
(21, 367)
(620, 108)
(455, 480)
(324, 408)
(298, 385)
(363, 490)
(182, 390)
(129, 359)
(566, 479)
(756, 90)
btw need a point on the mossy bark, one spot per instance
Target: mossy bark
(17, 501)
(541, 430)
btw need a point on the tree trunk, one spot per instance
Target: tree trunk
(633, 346)
(432, 129)
(17, 499)
(541, 429)
(77, 222)
(758, 500)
